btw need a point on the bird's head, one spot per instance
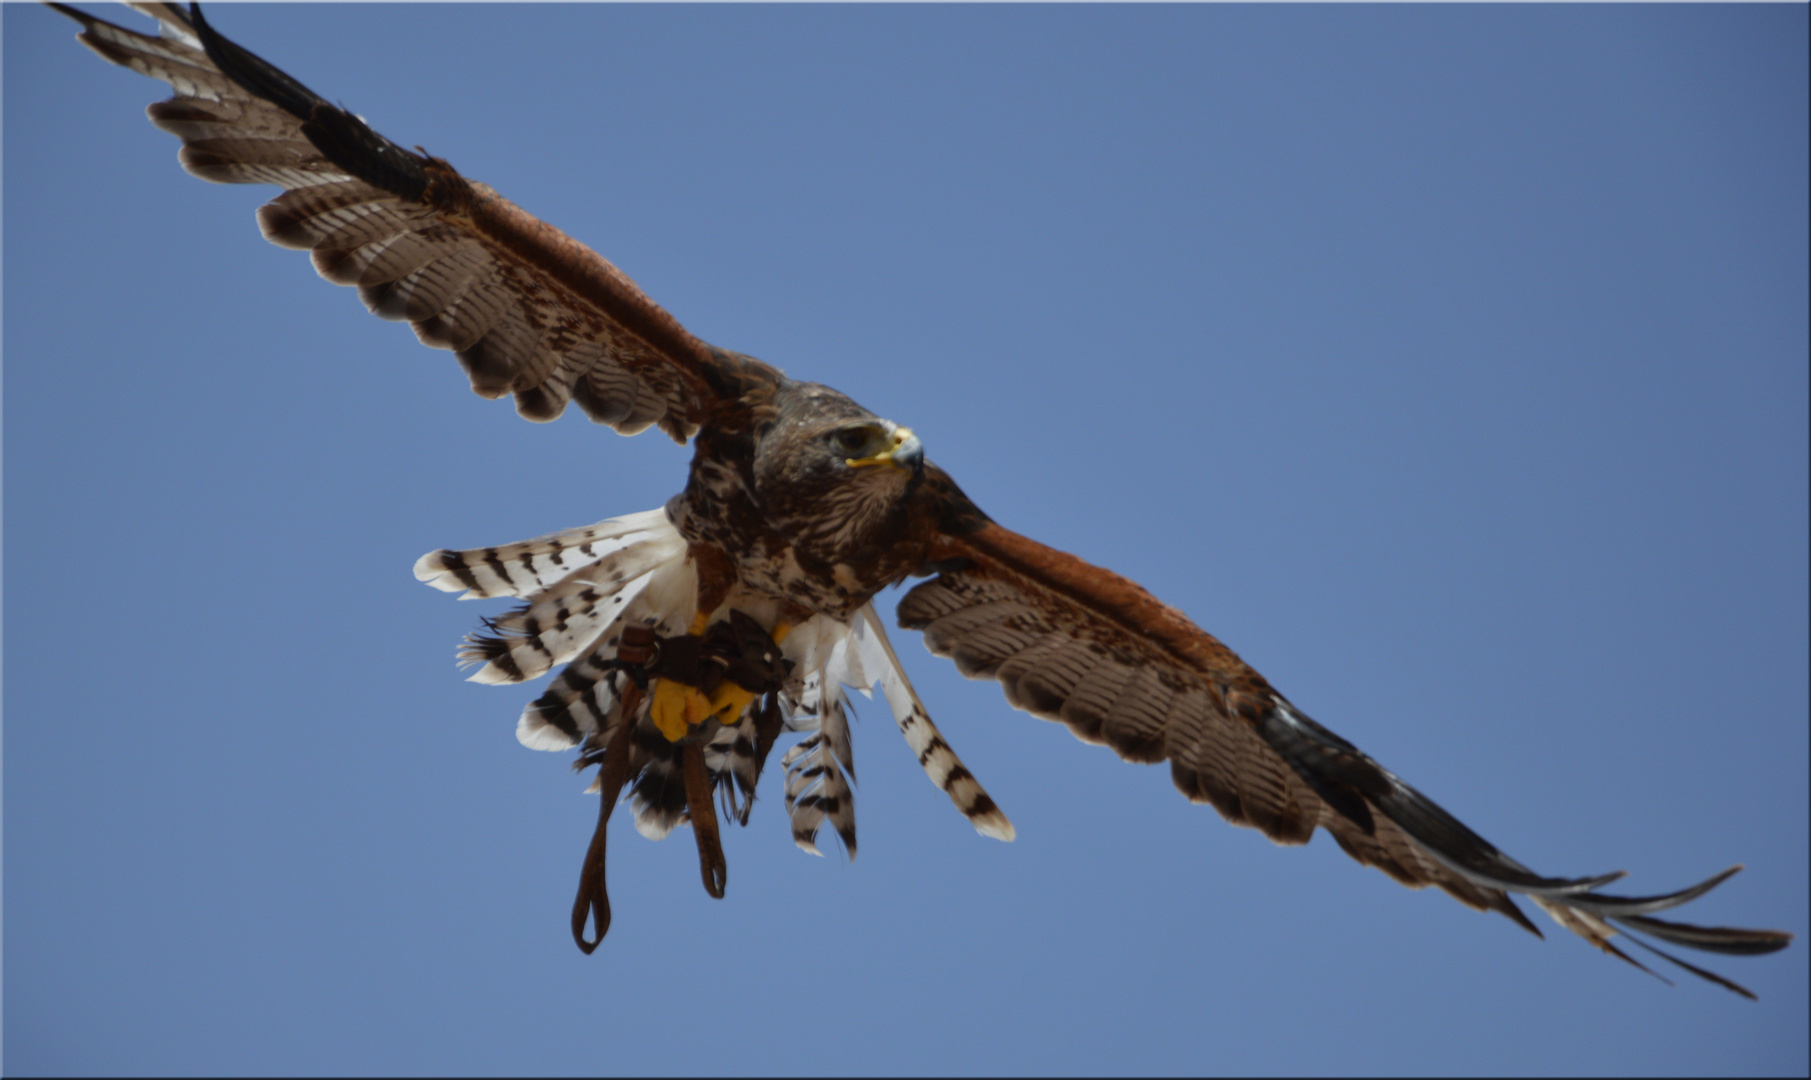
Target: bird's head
(832, 474)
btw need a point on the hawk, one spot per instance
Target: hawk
(690, 637)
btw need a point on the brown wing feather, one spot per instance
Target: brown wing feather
(1078, 644)
(526, 309)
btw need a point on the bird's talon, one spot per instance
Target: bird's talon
(729, 701)
(677, 708)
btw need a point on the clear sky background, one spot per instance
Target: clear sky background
(1448, 363)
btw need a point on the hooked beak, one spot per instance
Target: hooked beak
(906, 453)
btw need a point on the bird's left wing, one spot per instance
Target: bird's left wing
(526, 309)
(1075, 643)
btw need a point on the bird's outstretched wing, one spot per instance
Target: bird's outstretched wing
(533, 313)
(527, 310)
(1071, 642)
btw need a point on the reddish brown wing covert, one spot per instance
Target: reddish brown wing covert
(526, 309)
(1075, 643)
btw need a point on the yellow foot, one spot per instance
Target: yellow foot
(730, 699)
(677, 707)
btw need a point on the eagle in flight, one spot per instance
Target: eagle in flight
(693, 635)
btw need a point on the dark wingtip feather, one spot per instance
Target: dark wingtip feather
(346, 140)
(1627, 959)
(1719, 939)
(1707, 976)
(252, 72)
(1619, 906)
(75, 13)
(1504, 903)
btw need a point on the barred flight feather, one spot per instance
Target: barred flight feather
(532, 313)
(339, 215)
(467, 317)
(522, 646)
(433, 287)
(1106, 692)
(513, 327)
(1236, 743)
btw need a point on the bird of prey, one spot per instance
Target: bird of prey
(689, 638)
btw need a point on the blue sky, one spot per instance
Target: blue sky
(1448, 363)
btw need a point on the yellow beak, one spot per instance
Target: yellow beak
(906, 453)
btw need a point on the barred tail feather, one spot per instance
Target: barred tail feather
(819, 768)
(816, 788)
(532, 566)
(576, 706)
(521, 646)
(583, 586)
(940, 762)
(658, 796)
(570, 616)
(578, 703)
(731, 759)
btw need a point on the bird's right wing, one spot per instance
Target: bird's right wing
(527, 310)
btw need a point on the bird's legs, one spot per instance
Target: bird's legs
(593, 900)
(692, 706)
(701, 677)
(713, 671)
(681, 704)
(703, 809)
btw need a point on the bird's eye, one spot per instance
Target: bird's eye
(851, 440)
